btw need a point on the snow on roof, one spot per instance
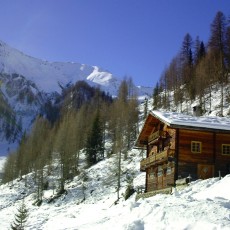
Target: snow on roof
(179, 119)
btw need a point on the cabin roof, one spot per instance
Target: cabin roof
(179, 120)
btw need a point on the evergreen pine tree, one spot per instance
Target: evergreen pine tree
(187, 69)
(156, 96)
(217, 45)
(199, 52)
(145, 108)
(95, 146)
(20, 217)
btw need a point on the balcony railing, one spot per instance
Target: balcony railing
(156, 158)
(156, 135)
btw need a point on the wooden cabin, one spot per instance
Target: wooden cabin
(181, 146)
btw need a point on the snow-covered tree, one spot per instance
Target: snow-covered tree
(20, 217)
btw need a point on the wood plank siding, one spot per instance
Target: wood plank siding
(160, 177)
(175, 151)
(222, 163)
(185, 153)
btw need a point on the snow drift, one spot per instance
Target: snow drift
(203, 204)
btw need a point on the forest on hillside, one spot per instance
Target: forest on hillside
(81, 119)
(196, 69)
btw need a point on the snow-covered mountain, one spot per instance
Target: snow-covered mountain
(49, 75)
(27, 82)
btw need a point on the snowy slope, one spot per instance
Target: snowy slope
(2, 161)
(204, 204)
(23, 101)
(210, 105)
(89, 202)
(46, 75)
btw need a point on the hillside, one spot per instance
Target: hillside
(28, 83)
(89, 201)
(89, 204)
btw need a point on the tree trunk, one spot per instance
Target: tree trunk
(119, 176)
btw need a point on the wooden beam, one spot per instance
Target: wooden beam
(177, 153)
(214, 149)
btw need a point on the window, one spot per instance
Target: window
(169, 170)
(196, 147)
(159, 171)
(226, 149)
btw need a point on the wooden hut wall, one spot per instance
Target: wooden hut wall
(161, 176)
(151, 179)
(185, 153)
(186, 169)
(222, 162)
(193, 164)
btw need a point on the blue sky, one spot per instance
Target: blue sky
(136, 38)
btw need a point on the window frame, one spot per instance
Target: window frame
(222, 149)
(196, 143)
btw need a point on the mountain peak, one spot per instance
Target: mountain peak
(47, 75)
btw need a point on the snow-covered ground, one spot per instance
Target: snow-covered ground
(211, 108)
(200, 206)
(2, 161)
(204, 204)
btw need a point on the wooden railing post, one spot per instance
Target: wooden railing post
(162, 156)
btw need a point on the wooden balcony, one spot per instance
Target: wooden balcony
(156, 135)
(155, 159)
